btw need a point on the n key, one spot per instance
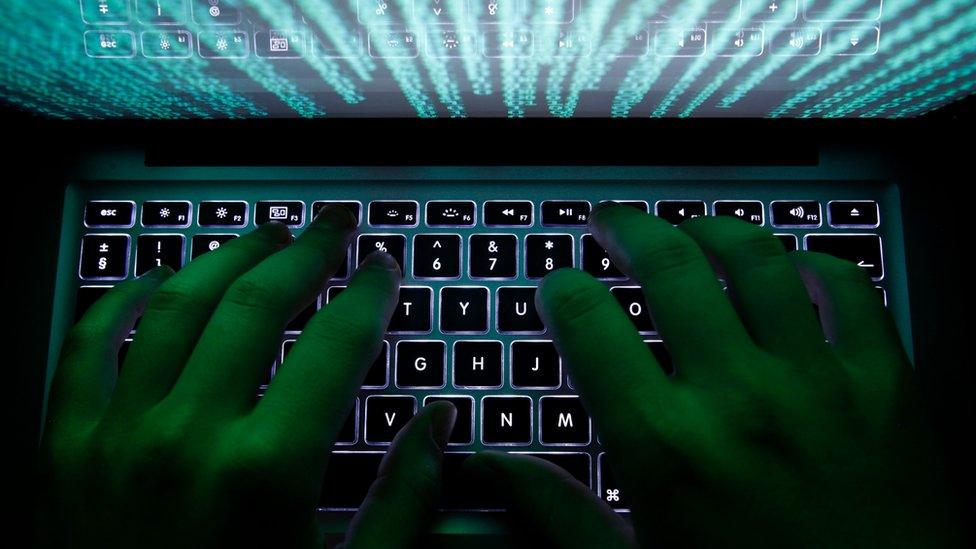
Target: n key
(437, 256)
(506, 420)
(385, 416)
(156, 250)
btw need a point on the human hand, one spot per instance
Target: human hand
(766, 434)
(177, 450)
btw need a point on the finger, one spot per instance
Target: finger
(88, 366)
(691, 312)
(252, 315)
(310, 394)
(855, 320)
(610, 364)
(764, 285)
(178, 312)
(548, 503)
(399, 506)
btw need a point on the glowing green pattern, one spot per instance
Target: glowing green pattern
(165, 59)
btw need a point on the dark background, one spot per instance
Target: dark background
(935, 154)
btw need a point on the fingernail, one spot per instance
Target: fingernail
(335, 216)
(442, 417)
(606, 204)
(383, 260)
(161, 272)
(278, 231)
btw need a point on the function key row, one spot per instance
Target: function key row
(463, 213)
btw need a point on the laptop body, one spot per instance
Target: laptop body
(804, 181)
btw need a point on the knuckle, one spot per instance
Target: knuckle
(82, 337)
(576, 301)
(172, 297)
(671, 252)
(251, 292)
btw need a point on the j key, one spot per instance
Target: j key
(156, 250)
(437, 256)
(563, 420)
(355, 208)
(795, 213)
(450, 213)
(545, 253)
(506, 420)
(662, 355)
(298, 323)
(463, 432)
(222, 214)
(597, 262)
(576, 464)
(746, 210)
(376, 375)
(565, 213)
(347, 479)
(166, 214)
(676, 211)
(104, 257)
(86, 297)
(413, 312)
(348, 434)
(464, 309)
(478, 364)
(508, 213)
(493, 255)
(203, 243)
(385, 416)
(120, 213)
(392, 244)
(291, 213)
(853, 213)
(610, 490)
(861, 249)
(535, 365)
(639, 204)
(400, 213)
(631, 299)
(789, 241)
(420, 364)
(516, 310)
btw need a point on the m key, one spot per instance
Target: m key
(563, 420)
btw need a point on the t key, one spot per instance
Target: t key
(413, 311)
(437, 256)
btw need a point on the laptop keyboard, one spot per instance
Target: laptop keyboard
(465, 328)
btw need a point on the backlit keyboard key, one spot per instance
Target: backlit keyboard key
(576, 464)
(464, 309)
(154, 250)
(789, 242)
(104, 213)
(298, 323)
(677, 211)
(86, 297)
(349, 432)
(864, 250)
(545, 253)
(597, 261)
(414, 311)
(451, 213)
(203, 243)
(348, 477)
(506, 420)
(795, 213)
(493, 256)
(420, 364)
(746, 210)
(393, 244)
(104, 257)
(508, 213)
(631, 299)
(437, 256)
(661, 354)
(393, 213)
(853, 213)
(354, 207)
(385, 416)
(563, 421)
(463, 432)
(227, 213)
(565, 213)
(638, 204)
(166, 214)
(477, 364)
(535, 365)
(609, 488)
(515, 310)
(291, 213)
(376, 376)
